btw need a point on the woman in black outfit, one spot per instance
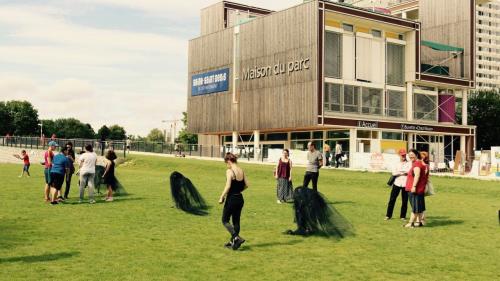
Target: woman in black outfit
(236, 182)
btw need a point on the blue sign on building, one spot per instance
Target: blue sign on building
(210, 82)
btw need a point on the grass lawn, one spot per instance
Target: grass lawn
(141, 237)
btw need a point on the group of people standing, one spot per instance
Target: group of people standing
(411, 177)
(59, 168)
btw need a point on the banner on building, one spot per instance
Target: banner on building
(210, 82)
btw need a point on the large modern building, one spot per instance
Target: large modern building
(488, 45)
(329, 72)
(487, 32)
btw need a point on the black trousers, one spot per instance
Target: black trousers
(68, 184)
(337, 160)
(327, 159)
(392, 201)
(311, 176)
(232, 210)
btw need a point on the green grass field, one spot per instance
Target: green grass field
(141, 237)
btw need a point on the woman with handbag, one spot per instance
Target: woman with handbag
(283, 175)
(399, 175)
(415, 186)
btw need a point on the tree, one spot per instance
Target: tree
(6, 120)
(156, 135)
(184, 135)
(24, 118)
(117, 133)
(483, 110)
(69, 128)
(103, 133)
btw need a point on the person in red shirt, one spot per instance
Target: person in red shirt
(26, 159)
(415, 186)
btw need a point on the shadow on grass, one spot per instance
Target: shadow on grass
(434, 222)
(249, 247)
(101, 201)
(194, 211)
(341, 202)
(40, 258)
(10, 237)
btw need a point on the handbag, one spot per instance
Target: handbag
(429, 189)
(391, 180)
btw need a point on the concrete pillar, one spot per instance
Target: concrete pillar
(410, 140)
(464, 106)
(352, 147)
(256, 145)
(234, 142)
(404, 15)
(409, 101)
(462, 144)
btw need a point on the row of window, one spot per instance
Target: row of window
(368, 101)
(363, 56)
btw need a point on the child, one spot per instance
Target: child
(26, 159)
(109, 175)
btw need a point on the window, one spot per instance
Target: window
(337, 134)
(396, 104)
(401, 37)
(351, 99)
(348, 27)
(425, 107)
(317, 135)
(301, 136)
(333, 55)
(395, 64)
(376, 33)
(371, 101)
(277, 137)
(392, 136)
(332, 97)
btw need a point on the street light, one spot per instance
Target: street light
(41, 129)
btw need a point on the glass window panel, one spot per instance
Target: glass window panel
(351, 99)
(337, 134)
(425, 107)
(396, 104)
(348, 27)
(318, 135)
(372, 101)
(277, 137)
(333, 55)
(332, 97)
(299, 145)
(392, 136)
(301, 136)
(395, 64)
(364, 134)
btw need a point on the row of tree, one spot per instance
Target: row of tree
(20, 118)
(156, 135)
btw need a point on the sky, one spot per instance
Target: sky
(103, 62)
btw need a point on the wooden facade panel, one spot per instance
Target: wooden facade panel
(212, 18)
(447, 22)
(276, 101)
(279, 100)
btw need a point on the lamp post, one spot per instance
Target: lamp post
(41, 129)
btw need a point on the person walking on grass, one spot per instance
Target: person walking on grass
(48, 156)
(415, 185)
(314, 163)
(283, 175)
(232, 199)
(26, 163)
(326, 151)
(400, 171)
(338, 154)
(60, 168)
(71, 158)
(88, 161)
(109, 175)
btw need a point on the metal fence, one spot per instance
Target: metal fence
(125, 147)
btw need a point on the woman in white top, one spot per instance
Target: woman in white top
(400, 171)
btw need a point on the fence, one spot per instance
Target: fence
(135, 146)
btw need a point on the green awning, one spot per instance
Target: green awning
(441, 47)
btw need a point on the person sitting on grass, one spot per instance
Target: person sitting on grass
(26, 159)
(109, 175)
(60, 168)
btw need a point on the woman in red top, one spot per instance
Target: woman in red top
(415, 186)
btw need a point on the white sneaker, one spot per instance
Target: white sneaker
(92, 201)
(109, 199)
(278, 201)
